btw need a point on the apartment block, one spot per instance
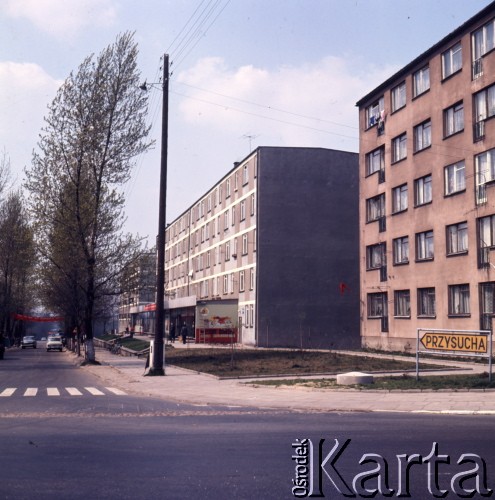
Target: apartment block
(427, 203)
(269, 255)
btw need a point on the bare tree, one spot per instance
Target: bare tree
(95, 128)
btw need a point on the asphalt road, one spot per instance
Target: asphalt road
(119, 446)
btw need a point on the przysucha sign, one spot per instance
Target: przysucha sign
(467, 343)
(458, 342)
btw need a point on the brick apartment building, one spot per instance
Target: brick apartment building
(427, 197)
(269, 255)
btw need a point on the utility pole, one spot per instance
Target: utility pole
(157, 365)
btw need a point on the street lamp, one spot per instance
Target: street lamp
(157, 362)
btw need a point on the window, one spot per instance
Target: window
(227, 250)
(398, 96)
(233, 215)
(424, 246)
(422, 191)
(421, 81)
(244, 244)
(375, 208)
(453, 120)
(375, 161)
(486, 231)
(253, 203)
(487, 304)
(400, 250)
(483, 40)
(402, 303)
(399, 148)
(455, 178)
(459, 300)
(457, 238)
(484, 104)
(485, 166)
(226, 221)
(227, 188)
(251, 279)
(245, 175)
(241, 281)
(399, 199)
(375, 256)
(225, 284)
(377, 305)
(452, 60)
(243, 210)
(426, 302)
(422, 136)
(373, 112)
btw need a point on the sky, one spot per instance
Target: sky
(244, 73)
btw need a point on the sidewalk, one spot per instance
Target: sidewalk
(185, 386)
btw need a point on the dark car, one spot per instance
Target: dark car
(28, 341)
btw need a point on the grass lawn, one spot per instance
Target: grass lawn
(250, 362)
(404, 382)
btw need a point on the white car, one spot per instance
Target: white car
(54, 342)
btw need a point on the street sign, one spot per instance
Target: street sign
(458, 342)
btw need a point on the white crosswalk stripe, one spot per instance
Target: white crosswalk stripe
(73, 391)
(8, 392)
(56, 391)
(94, 391)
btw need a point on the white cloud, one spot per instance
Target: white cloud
(311, 105)
(26, 91)
(62, 18)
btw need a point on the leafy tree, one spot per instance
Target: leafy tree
(96, 127)
(17, 259)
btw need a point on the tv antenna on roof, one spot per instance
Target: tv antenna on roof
(250, 137)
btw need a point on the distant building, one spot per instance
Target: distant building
(427, 203)
(138, 294)
(269, 255)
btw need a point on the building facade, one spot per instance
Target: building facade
(427, 203)
(275, 242)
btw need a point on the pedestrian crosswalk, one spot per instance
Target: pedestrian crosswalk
(63, 391)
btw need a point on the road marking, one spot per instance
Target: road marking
(94, 391)
(73, 391)
(116, 391)
(31, 391)
(8, 392)
(52, 391)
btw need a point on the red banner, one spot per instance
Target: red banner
(40, 319)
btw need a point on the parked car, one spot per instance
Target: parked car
(54, 342)
(28, 341)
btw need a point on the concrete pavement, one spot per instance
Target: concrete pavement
(186, 386)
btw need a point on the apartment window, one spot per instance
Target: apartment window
(486, 231)
(241, 281)
(226, 220)
(459, 300)
(485, 166)
(455, 178)
(483, 40)
(400, 250)
(452, 60)
(373, 112)
(225, 284)
(208, 259)
(484, 103)
(243, 210)
(377, 305)
(375, 256)
(375, 208)
(399, 199)
(227, 188)
(251, 279)
(220, 192)
(424, 246)
(398, 96)
(422, 136)
(487, 304)
(244, 244)
(233, 215)
(421, 81)
(253, 203)
(236, 181)
(402, 303)
(422, 191)
(457, 238)
(227, 250)
(375, 161)
(399, 148)
(426, 302)
(245, 175)
(453, 120)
